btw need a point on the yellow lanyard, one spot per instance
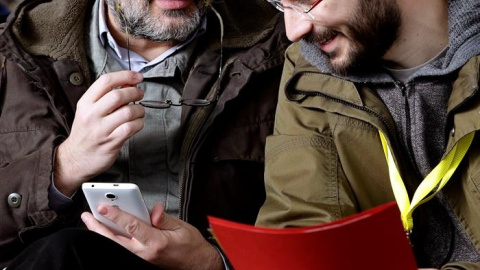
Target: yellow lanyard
(429, 187)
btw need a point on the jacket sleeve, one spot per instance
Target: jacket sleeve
(462, 266)
(30, 130)
(303, 180)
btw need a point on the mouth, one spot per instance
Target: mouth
(326, 37)
(174, 4)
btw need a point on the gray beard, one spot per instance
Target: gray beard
(146, 27)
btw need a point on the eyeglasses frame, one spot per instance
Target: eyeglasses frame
(305, 11)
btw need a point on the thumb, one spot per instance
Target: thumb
(162, 220)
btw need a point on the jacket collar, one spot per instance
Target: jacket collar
(308, 80)
(49, 37)
(467, 83)
(58, 31)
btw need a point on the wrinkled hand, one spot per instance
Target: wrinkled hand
(104, 120)
(171, 243)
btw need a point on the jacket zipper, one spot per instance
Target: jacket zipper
(365, 109)
(408, 126)
(390, 132)
(192, 137)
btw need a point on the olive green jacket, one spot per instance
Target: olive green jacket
(325, 159)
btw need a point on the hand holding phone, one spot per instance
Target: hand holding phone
(124, 196)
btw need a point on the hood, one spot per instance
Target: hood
(464, 43)
(47, 28)
(58, 21)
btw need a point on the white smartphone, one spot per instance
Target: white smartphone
(125, 196)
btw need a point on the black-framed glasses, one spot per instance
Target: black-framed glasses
(300, 9)
(167, 103)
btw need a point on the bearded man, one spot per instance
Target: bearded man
(368, 81)
(176, 96)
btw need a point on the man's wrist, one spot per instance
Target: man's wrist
(63, 171)
(223, 257)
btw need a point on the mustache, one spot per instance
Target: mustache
(322, 37)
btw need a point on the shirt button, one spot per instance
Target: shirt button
(76, 78)
(452, 132)
(14, 200)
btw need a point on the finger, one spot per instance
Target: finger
(122, 115)
(156, 215)
(125, 131)
(109, 81)
(132, 225)
(113, 100)
(94, 225)
(162, 220)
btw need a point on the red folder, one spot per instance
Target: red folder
(373, 239)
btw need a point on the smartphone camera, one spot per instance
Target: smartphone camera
(111, 196)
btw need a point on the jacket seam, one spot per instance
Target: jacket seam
(312, 141)
(23, 131)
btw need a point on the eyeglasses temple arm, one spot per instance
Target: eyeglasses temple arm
(313, 5)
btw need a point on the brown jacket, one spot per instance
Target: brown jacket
(46, 72)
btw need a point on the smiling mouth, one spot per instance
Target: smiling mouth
(327, 36)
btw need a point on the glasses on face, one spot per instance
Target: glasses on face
(167, 103)
(300, 9)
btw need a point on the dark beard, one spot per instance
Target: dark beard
(372, 31)
(381, 21)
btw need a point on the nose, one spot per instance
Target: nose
(296, 26)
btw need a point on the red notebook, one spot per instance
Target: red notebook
(373, 239)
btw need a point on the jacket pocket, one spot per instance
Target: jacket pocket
(303, 182)
(20, 143)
